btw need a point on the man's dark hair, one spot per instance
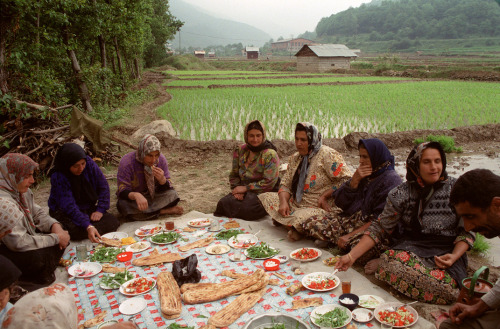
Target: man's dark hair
(478, 187)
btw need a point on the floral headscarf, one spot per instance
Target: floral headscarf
(256, 124)
(149, 143)
(314, 144)
(14, 168)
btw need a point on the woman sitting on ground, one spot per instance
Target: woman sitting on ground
(79, 195)
(36, 241)
(427, 259)
(255, 170)
(359, 200)
(144, 187)
(311, 171)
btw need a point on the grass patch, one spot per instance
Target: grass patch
(447, 142)
(481, 245)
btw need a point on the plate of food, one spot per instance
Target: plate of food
(243, 241)
(331, 316)
(165, 238)
(138, 246)
(115, 235)
(115, 280)
(137, 286)
(199, 222)
(85, 270)
(320, 281)
(370, 301)
(402, 317)
(105, 254)
(362, 315)
(217, 249)
(261, 251)
(227, 234)
(305, 254)
(132, 306)
(148, 230)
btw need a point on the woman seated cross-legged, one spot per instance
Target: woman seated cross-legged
(79, 195)
(312, 170)
(427, 257)
(144, 187)
(255, 170)
(359, 200)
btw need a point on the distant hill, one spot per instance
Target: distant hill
(201, 29)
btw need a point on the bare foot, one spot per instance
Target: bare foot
(372, 266)
(176, 210)
(294, 235)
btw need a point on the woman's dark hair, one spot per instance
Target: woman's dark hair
(478, 187)
(300, 127)
(255, 125)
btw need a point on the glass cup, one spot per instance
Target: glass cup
(295, 264)
(346, 287)
(81, 252)
(237, 254)
(169, 226)
(214, 225)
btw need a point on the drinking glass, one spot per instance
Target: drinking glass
(81, 252)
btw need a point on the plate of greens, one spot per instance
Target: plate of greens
(114, 281)
(227, 234)
(331, 316)
(105, 254)
(165, 237)
(261, 251)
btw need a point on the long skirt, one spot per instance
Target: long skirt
(37, 266)
(107, 223)
(408, 274)
(249, 208)
(331, 226)
(167, 199)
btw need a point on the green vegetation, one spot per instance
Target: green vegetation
(481, 245)
(447, 142)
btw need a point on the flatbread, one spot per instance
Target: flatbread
(231, 224)
(307, 302)
(197, 244)
(188, 229)
(155, 258)
(111, 242)
(106, 268)
(236, 308)
(170, 295)
(96, 320)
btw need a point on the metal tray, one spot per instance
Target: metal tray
(267, 320)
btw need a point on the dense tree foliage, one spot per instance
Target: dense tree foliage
(413, 19)
(55, 52)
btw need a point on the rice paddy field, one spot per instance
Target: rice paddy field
(336, 104)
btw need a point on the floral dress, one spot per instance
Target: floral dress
(327, 169)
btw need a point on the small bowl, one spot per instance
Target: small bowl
(353, 297)
(272, 264)
(124, 256)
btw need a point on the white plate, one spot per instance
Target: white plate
(85, 270)
(115, 235)
(246, 254)
(383, 307)
(306, 280)
(105, 287)
(237, 241)
(370, 301)
(199, 222)
(327, 308)
(282, 258)
(132, 306)
(305, 260)
(362, 315)
(145, 230)
(217, 249)
(123, 286)
(161, 243)
(138, 246)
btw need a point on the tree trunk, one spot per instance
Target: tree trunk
(7, 19)
(119, 60)
(102, 48)
(82, 87)
(137, 71)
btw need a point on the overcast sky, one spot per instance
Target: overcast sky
(277, 17)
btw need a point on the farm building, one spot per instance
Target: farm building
(323, 58)
(291, 45)
(211, 54)
(199, 54)
(252, 52)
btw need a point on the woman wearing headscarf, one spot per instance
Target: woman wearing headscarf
(255, 170)
(359, 200)
(312, 170)
(144, 187)
(79, 195)
(427, 258)
(36, 241)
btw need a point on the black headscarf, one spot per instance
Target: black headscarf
(9, 273)
(266, 144)
(380, 156)
(67, 156)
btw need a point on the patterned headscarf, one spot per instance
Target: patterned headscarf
(149, 143)
(314, 144)
(380, 156)
(14, 168)
(256, 124)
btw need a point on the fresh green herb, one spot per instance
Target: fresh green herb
(262, 250)
(105, 255)
(334, 318)
(178, 326)
(282, 326)
(114, 281)
(201, 316)
(226, 235)
(165, 237)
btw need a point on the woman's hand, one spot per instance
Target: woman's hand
(96, 216)
(239, 196)
(159, 175)
(284, 209)
(323, 203)
(445, 261)
(344, 262)
(93, 234)
(61, 234)
(360, 173)
(343, 240)
(239, 190)
(141, 201)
